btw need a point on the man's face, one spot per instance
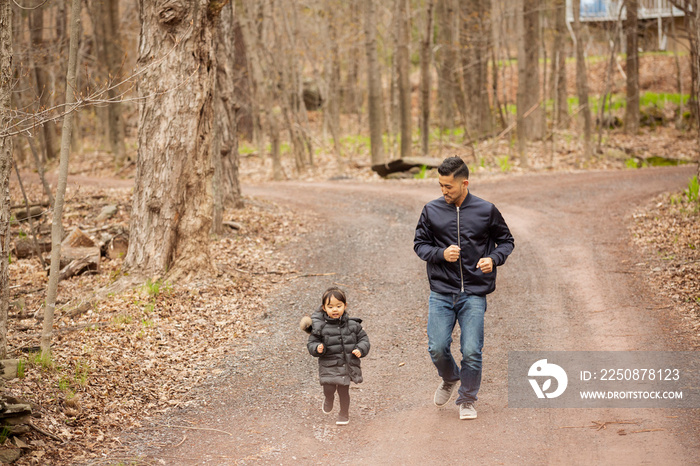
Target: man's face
(453, 189)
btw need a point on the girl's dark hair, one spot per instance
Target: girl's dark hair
(333, 292)
(454, 166)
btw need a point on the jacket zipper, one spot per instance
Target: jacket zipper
(459, 244)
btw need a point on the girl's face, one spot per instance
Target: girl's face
(334, 308)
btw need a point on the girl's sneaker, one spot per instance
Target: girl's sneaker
(342, 420)
(327, 406)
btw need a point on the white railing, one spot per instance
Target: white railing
(609, 10)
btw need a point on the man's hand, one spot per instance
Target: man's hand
(485, 264)
(319, 348)
(452, 253)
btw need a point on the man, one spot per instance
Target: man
(461, 271)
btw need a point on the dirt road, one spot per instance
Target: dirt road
(573, 283)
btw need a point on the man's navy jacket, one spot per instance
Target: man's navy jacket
(482, 233)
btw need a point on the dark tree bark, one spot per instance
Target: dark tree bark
(172, 201)
(445, 57)
(632, 63)
(426, 61)
(108, 45)
(475, 38)
(374, 85)
(36, 34)
(404, 69)
(5, 166)
(528, 97)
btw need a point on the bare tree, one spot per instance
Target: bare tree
(691, 9)
(332, 107)
(57, 221)
(445, 57)
(561, 107)
(529, 110)
(404, 69)
(475, 38)
(172, 202)
(226, 189)
(582, 82)
(39, 58)
(5, 166)
(632, 65)
(374, 85)
(105, 15)
(426, 60)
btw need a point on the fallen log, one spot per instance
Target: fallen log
(406, 164)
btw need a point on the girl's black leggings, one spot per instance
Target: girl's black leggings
(343, 394)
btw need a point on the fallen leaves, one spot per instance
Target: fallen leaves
(139, 352)
(667, 233)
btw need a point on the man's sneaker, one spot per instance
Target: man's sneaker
(467, 411)
(444, 393)
(342, 420)
(327, 405)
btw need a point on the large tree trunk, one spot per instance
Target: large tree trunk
(561, 106)
(226, 189)
(36, 33)
(404, 69)
(475, 36)
(582, 83)
(5, 166)
(172, 203)
(425, 81)
(528, 96)
(106, 24)
(445, 57)
(374, 85)
(242, 84)
(57, 220)
(632, 108)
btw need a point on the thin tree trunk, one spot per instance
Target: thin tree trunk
(5, 166)
(374, 86)
(426, 60)
(57, 221)
(332, 110)
(561, 107)
(582, 83)
(404, 81)
(608, 85)
(172, 201)
(274, 125)
(445, 57)
(632, 107)
(36, 33)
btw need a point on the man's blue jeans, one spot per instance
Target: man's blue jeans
(444, 311)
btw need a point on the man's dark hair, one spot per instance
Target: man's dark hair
(454, 166)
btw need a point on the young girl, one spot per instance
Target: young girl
(338, 341)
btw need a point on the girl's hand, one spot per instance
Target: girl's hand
(357, 352)
(319, 348)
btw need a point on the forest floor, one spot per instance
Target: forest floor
(215, 371)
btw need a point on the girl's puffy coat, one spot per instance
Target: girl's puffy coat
(337, 365)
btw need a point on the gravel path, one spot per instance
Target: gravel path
(571, 284)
